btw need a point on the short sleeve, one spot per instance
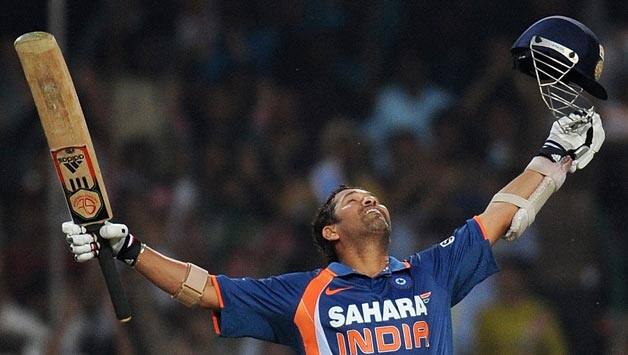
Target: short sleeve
(259, 308)
(461, 261)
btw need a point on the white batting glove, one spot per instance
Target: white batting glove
(578, 135)
(85, 246)
(597, 139)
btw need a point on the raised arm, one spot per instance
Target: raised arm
(498, 215)
(572, 142)
(186, 282)
(168, 274)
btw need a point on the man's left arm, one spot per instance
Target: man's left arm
(572, 142)
(498, 216)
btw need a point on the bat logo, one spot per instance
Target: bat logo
(73, 165)
(71, 162)
(85, 203)
(82, 191)
(78, 183)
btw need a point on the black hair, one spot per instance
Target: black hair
(325, 217)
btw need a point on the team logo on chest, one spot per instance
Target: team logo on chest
(402, 282)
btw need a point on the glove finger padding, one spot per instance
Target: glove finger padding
(114, 230)
(72, 228)
(80, 239)
(595, 139)
(86, 248)
(576, 123)
(598, 133)
(116, 233)
(81, 258)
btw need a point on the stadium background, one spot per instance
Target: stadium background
(220, 126)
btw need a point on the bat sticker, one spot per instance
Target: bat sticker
(80, 185)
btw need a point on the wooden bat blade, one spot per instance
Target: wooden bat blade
(62, 118)
(71, 146)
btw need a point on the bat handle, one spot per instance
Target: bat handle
(112, 279)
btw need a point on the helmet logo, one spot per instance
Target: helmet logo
(600, 65)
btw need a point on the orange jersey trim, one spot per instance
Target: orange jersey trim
(221, 304)
(305, 317)
(481, 224)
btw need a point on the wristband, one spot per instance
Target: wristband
(553, 151)
(139, 256)
(130, 250)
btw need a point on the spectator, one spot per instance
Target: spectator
(518, 322)
(410, 102)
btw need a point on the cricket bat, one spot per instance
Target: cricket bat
(70, 144)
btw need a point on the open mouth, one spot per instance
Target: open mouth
(373, 210)
(377, 212)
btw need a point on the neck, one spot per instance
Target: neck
(366, 258)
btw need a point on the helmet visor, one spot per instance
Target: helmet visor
(552, 62)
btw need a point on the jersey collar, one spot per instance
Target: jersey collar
(394, 265)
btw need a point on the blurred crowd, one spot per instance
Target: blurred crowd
(221, 126)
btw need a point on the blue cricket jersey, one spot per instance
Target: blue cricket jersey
(403, 310)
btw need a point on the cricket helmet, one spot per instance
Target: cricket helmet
(560, 52)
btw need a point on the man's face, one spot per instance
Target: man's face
(360, 213)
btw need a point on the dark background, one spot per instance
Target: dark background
(221, 125)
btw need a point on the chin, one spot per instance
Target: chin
(382, 228)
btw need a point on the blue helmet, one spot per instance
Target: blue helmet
(567, 41)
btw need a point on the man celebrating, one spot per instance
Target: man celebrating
(365, 301)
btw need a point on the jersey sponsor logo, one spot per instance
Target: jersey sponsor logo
(330, 292)
(447, 241)
(426, 296)
(376, 311)
(384, 339)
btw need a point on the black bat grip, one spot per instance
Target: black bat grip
(112, 279)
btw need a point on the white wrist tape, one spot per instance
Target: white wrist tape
(555, 171)
(555, 174)
(192, 287)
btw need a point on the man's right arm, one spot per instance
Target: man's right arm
(263, 309)
(188, 283)
(168, 274)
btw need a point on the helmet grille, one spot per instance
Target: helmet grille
(552, 64)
